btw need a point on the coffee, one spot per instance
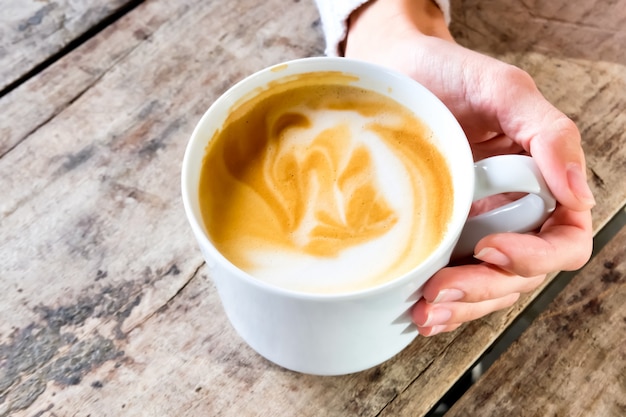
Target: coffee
(319, 186)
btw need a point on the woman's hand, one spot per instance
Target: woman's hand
(501, 111)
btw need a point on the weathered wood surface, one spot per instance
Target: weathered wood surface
(33, 31)
(41, 98)
(107, 307)
(572, 360)
(591, 30)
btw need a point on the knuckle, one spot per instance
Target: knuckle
(516, 77)
(581, 257)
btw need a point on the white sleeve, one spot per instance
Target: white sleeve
(335, 14)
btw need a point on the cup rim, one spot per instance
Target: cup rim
(298, 66)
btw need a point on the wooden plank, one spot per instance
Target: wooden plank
(572, 360)
(106, 305)
(64, 180)
(592, 30)
(94, 236)
(40, 99)
(32, 31)
(187, 360)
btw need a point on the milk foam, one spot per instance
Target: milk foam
(354, 267)
(324, 189)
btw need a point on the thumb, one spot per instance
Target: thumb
(560, 158)
(551, 138)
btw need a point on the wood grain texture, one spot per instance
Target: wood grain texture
(592, 30)
(33, 31)
(95, 240)
(572, 360)
(40, 99)
(107, 307)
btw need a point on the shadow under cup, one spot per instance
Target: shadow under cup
(345, 331)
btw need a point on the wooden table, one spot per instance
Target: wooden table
(106, 305)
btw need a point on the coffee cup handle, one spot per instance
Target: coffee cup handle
(502, 174)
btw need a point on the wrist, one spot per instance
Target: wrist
(382, 20)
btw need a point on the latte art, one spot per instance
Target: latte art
(318, 186)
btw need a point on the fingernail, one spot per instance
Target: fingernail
(437, 316)
(578, 184)
(436, 330)
(449, 295)
(493, 256)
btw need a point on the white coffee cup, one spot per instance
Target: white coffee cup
(332, 334)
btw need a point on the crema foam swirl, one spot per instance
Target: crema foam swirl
(318, 186)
